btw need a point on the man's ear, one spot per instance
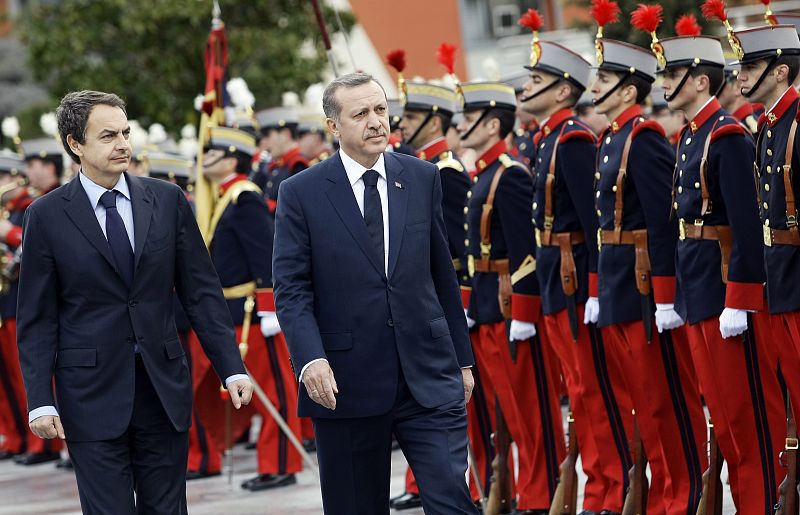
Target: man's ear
(74, 146)
(782, 73)
(563, 92)
(333, 128)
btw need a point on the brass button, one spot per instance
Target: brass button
(469, 194)
(769, 151)
(769, 133)
(766, 206)
(769, 169)
(535, 205)
(675, 205)
(466, 242)
(541, 146)
(475, 179)
(683, 157)
(570, 122)
(466, 227)
(466, 210)
(597, 175)
(608, 140)
(680, 173)
(766, 222)
(766, 187)
(680, 189)
(688, 141)
(697, 185)
(599, 213)
(597, 194)
(614, 188)
(523, 146)
(605, 159)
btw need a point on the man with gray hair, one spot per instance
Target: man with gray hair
(103, 258)
(369, 302)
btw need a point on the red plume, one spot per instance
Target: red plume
(765, 2)
(605, 12)
(397, 59)
(647, 17)
(446, 55)
(714, 10)
(531, 19)
(687, 26)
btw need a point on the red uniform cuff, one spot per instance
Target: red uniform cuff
(265, 301)
(594, 291)
(272, 205)
(748, 296)
(466, 293)
(664, 289)
(525, 308)
(14, 236)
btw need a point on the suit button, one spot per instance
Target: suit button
(390, 322)
(389, 287)
(131, 303)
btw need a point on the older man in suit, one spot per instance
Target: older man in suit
(369, 302)
(102, 257)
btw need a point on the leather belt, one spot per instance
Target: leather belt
(497, 266)
(781, 236)
(699, 231)
(616, 237)
(575, 238)
(239, 291)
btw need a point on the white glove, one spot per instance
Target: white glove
(269, 323)
(667, 318)
(591, 311)
(732, 322)
(470, 322)
(521, 330)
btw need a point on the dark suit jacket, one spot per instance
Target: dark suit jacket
(334, 300)
(78, 322)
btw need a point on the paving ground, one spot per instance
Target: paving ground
(43, 489)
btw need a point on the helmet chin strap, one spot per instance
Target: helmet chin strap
(419, 129)
(670, 98)
(612, 90)
(764, 74)
(474, 125)
(531, 97)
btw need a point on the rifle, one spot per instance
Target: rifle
(711, 500)
(636, 498)
(565, 498)
(787, 500)
(500, 490)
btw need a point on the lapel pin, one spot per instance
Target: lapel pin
(398, 185)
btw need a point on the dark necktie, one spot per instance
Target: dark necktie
(373, 213)
(118, 237)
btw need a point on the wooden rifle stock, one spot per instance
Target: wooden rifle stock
(787, 492)
(500, 492)
(711, 500)
(565, 498)
(636, 498)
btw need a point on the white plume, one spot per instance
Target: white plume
(48, 123)
(198, 102)
(156, 134)
(241, 96)
(187, 148)
(290, 99)
(138, 136)
(491, 68)
(189, 131)
(313, 96)
(10, 127)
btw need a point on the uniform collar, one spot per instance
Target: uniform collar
(491, 155)
(225, 185)
(783, 104)
(555, 120)
(432, 149)
(743, 111)
(531, 125)
(627, 115)
(704, 114)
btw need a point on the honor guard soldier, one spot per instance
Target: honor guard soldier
(505, 293)
(636, 270)
(396, 143)
(279, 137)
(566, 266)
(731, 99)
(44, 164)
(241, 249)
(312, 140)
(770, 64)
(18, 441)
(719, 264)
(522, 141)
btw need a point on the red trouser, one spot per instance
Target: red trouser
(480, 426)
(738, 380)
(13, 407)
(662, 383)
(307, 428)
(204, 456)
(600, 406)
(784, 340)
(527, 394)
(268, 362)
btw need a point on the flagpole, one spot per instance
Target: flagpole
(326, 39)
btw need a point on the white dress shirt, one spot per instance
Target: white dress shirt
(125, 209)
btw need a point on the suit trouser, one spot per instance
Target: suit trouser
(148, 459)
(480, 426)
(527, 396)
(740, 386)
(601, 407)
(13, 407)
(355, 457)
(661, 380)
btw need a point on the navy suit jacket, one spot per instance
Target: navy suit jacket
(77, 321)
(334, 300)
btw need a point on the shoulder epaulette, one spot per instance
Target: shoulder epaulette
(507, 162)
(647, 125)
(240, 187)
(448, 161)
(579, 135)
(727, 130)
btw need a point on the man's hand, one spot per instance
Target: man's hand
(320, 384)
(592, 311)
(269, 324)
(732, 322)
(521, 331)
(241, 391)
(47, 427)
(469, 383)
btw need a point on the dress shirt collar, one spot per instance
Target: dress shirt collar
(94, 191)
(355, 171)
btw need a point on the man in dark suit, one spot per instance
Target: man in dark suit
(102, 258)
(369, 303)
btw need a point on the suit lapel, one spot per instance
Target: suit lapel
(142, 214)
(397, 193)
(340, 193)
(81, 212)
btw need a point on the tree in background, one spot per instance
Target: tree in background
(150, 52)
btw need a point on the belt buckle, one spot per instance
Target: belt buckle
(791, 221)
(792, 444)
(682, 229)
(767, 236)
(599, 238)
(538, 233)
(548, 223)
(471, 265)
